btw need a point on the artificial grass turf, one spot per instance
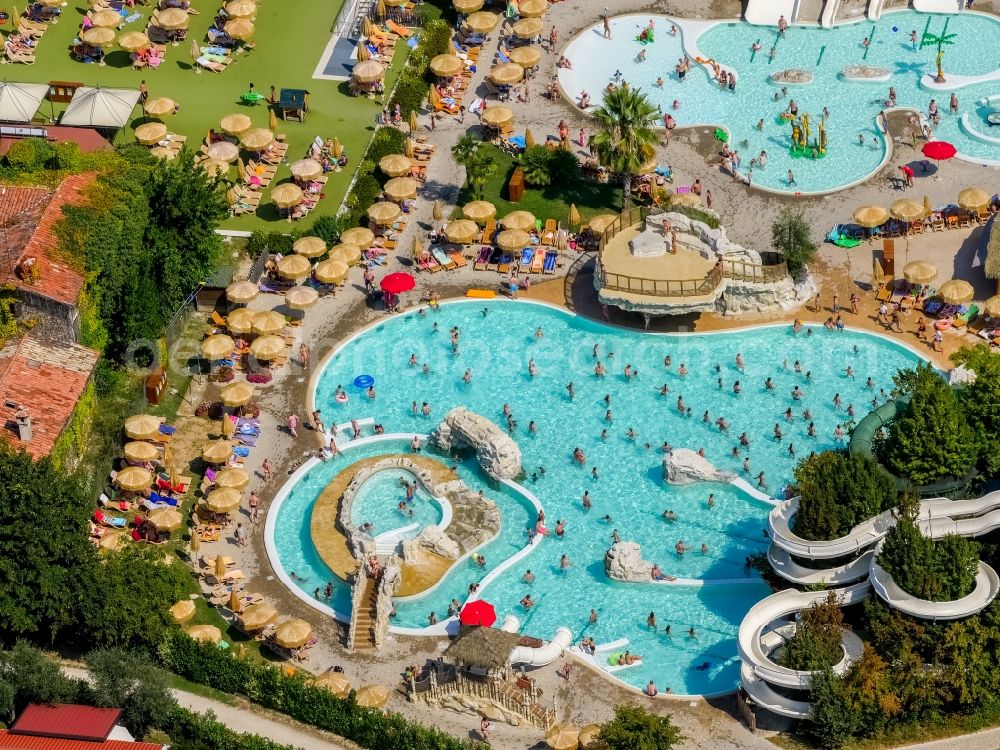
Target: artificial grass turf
(290, 39)
(552, 202)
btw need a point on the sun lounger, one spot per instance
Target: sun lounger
(488, 231)
(527, 255)
(495, 256)
(539, 260)
(20, 56)
(549, 232)
(963, 320)
(446, 262)
(483, 258)
(884, 294)
(458, 259)
(105, 520)
(550, 262)
(213, 65)
(397, 29)
(932, 307)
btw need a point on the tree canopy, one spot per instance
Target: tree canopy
(791, 237)
(938, 570)
(624, 139)
(981, 403)
(146, 239)
(838, 491)
(933, 438)
(816, 644)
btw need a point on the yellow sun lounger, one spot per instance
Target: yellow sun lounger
(480, 293)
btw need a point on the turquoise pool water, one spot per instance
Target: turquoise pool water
(377, 502)
(497, 348)
(853, 105)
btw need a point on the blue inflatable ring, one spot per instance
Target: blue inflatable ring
(364, 381)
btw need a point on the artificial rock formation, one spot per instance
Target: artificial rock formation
(623, 562)
(498, 454)
(685, 466)
(431, 539)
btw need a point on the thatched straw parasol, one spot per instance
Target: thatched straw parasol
(166, 519)
(400, 189)
(239, 28)
(241, 292)
(235, 124)
(372, 696)
(497, 115)
(306, 169)
(233, 477)
(161, 105)
(384, 213)
(141, 451)
(294, 266)
(293, 633)
(991, 307)
(573, 219)
(368, 71)
(467, 6)
(506, 73)
(172, 18)
(267, 347)
(237, 394)
(207, 633)
(395, 165)
(957, 292)
(332, 271)
(870, 216)
(301, 297)
(920, 272)
(973, 199)
(218, 346)
(523, 220)
(479, 211)
(182, 611)
(600, 223)
(526, 57)
(240, 320)
(134, 478)
(143, 427)
(532, 8)
(526, 28)
(462, 231)
(335, 682)
(150, 132)
(907, 210)
(482, 22)
(258, 616)
(447, 65)
(224, 500)
(589, 738)
(563, 737)
(360, 236)
(257, 139)
(267, 322)
(216, 451)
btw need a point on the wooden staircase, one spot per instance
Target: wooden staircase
(364, 628)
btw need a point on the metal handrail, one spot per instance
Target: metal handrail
(737, 270)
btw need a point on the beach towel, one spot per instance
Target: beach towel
(526, 256)
(241, 451)
(166, 429)
(131, 18)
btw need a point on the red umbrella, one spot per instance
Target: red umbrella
(938, 150)
(478, 612)
(396, 283)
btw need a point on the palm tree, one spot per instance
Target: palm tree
(625, 139)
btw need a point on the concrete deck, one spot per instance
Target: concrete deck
(684, 265)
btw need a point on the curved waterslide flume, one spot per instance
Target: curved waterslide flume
(840, 575)
(543, 655)
(767, 697)
(758, 637)
(861, 536)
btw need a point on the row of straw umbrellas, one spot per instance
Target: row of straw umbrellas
(970, 199)
(104, 22)
(292, 633)
(952, 292)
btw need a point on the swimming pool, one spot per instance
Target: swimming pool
(825, 53)
(378, 502)
(496, 344)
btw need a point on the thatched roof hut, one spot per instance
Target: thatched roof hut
(482, 647)
(993, 252)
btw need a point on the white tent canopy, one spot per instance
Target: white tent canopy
(100, 108)
(20, 101)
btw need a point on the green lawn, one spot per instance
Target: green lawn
(290, 38)
(552, 202)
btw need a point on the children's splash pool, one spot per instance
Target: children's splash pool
(496, 343)
(381, 501)
(853, 105)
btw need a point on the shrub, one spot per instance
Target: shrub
(294, 696)
(563, 165)
(261, 377)
(635, 728)
(29, 154)
(932, 439)
(693, 212)
(981, 402)
(386, 141)
(274, 242)
(536, 164)
(838, 491)
(328, 228)
(816, 644)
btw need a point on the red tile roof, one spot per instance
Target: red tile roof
(29, 232)
(47, 378)
(88, 139)
(26, 742)
(69, 720)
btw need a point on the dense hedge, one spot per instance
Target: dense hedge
(191, 731)
(367, 186)
(415, 80)
(292, 695)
